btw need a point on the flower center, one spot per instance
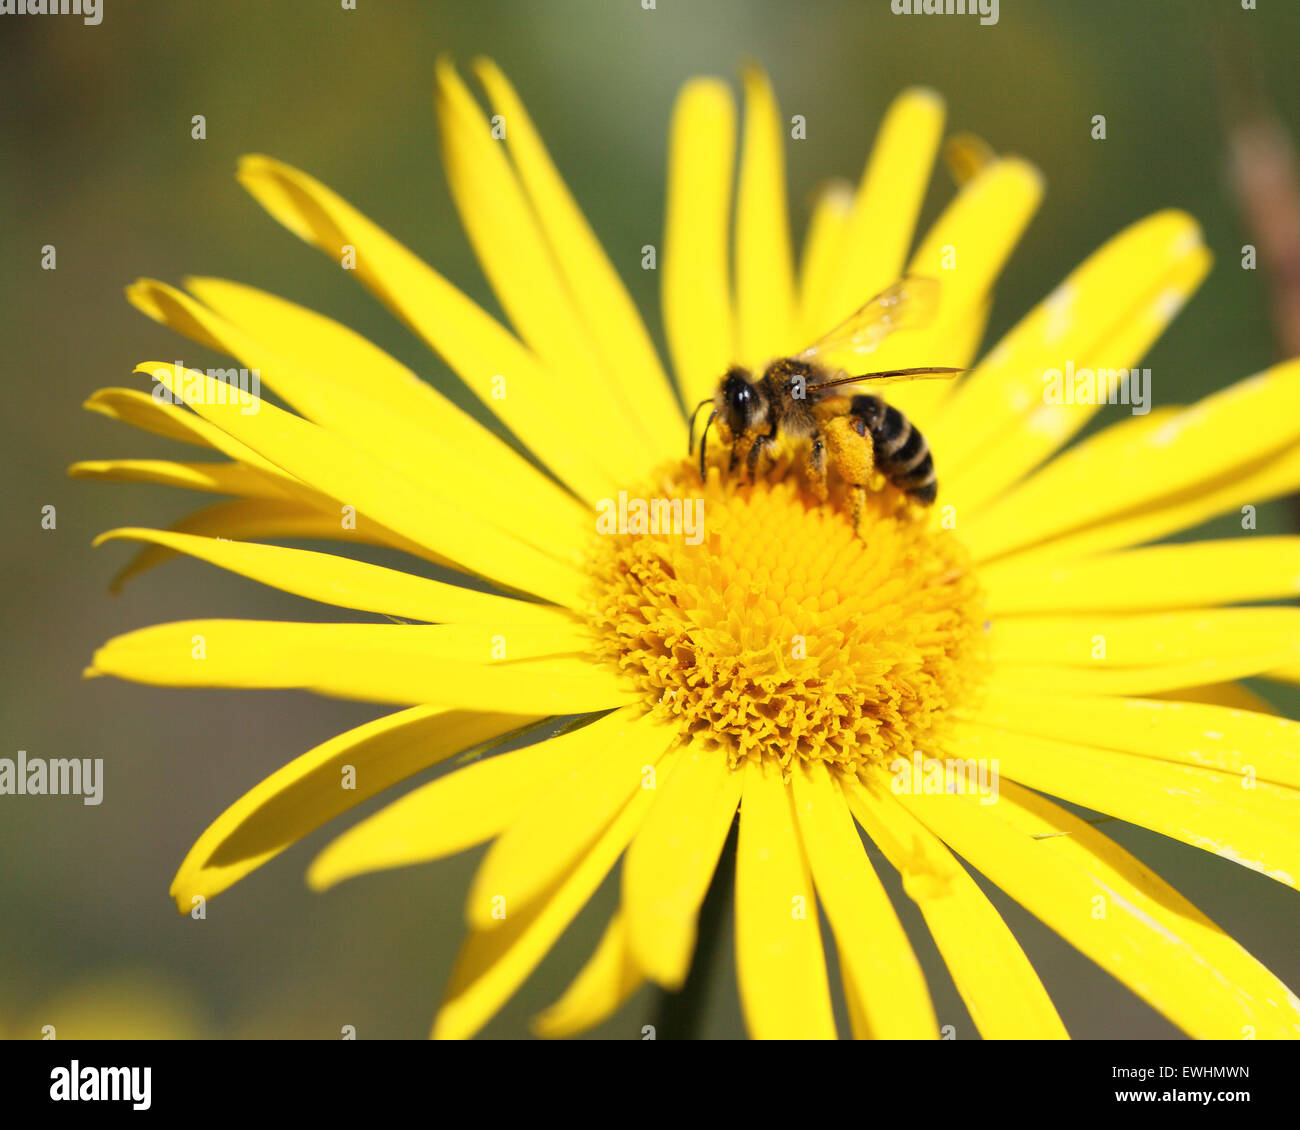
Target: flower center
(780, 633)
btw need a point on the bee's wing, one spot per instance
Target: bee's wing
(909, 304)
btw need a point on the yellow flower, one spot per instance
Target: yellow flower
(779, 666)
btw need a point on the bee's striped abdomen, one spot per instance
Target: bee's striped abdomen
(901, 452)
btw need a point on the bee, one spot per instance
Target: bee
(856, 433)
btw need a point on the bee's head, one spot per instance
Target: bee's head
(739, 403)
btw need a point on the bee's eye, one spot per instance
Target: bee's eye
(741, 402)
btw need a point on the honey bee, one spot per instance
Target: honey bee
(801, 397)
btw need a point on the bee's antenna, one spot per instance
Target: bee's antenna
(704, 441)
(887, 376)
(694, 414)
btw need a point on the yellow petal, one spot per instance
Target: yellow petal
(765, 308)
(1149, 679)
(1235, 741)
(342, 359)
(610, 319)
(494, 963)
(144, 412)
(345, 359)
(283, 506)
(1109, 640)
(250, 519)
(522, 268)
(352, 478)
(827, 229)
(696, 277)
(892, 1000)
(491, 361)
(1238, 819)
(964, 342)
(1124, 275)
(888, 202)
(399, 663)
(455, 812)
(300, 511)
(779, 958)
(999, 986)
(1161, 576)
(1233, 695)
(154, 414)
(309, 508)
(1240, 490)
(1111, 908)
(340, 581)
(669, 866)
(417, 447)
(214, 478)
(600, 989)
(569, 814)
(1108, 446)
(1186, 450)
(1051, 424)
(307, 793)
(965, 250)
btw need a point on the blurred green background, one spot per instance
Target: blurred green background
(98, 160)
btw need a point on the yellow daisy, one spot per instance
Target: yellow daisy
(777, 665)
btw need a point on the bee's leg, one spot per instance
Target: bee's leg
(849, 445)
(859, 494)
(761, 444)
(817, 467)
(851, 451)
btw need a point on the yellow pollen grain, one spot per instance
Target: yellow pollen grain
(784, 635)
